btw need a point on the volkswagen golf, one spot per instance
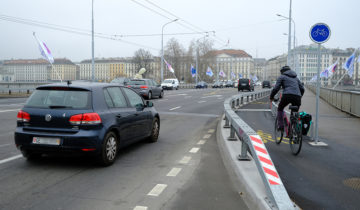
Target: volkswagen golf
(85, 118)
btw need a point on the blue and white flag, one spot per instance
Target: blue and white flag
(254, 78)
(221, 73)
(240, 76)
(349, 64)
(193, 71)
(358, 60)
(324, 73)
(233, 75)
(314, 78)
(209, 72)
(44, 50)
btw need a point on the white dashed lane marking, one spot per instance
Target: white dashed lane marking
(207, 136)
(4, 145)
(10, 110)
(185, 160)
(10, 159)
(211, 130)
(201, 142)
(201, 102)
(175, 108)
(157, 190)
(174, 172)
(140, 208)
(194, 150)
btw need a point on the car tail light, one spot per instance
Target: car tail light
(88, 150)
(23, 116)
(85, 119)
(144, 87)
(249, 82)
(129, 86)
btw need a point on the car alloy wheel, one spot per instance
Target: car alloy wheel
(109, 150)
(149, 95)
(161, 94)
(155, 130)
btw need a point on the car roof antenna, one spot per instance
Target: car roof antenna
(68, 82)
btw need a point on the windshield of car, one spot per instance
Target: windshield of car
(118, 80)
(167, 81)
(59, 99)
(136, 82)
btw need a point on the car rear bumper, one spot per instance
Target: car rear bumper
(84, 141)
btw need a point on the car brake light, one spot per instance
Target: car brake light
(144, 87)
(23, 116)
(249, 82)
(88, 150)
(129, 86)
(85, 119)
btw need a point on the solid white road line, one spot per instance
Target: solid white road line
(194, 150)
(10, 159)
(211, 130)
(140, 208)
(185, 160)
(201, 142)
(4, 145)
(174, 172)
(10, 110)
(207, 136)
(157, 190)
(254, 110)
(175, 108)
(201, 102)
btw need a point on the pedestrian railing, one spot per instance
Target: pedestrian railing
(252, 143)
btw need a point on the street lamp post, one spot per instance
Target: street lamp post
(162, 49)
(92, 43)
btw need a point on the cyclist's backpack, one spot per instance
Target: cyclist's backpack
(305, 122)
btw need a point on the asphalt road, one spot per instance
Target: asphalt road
(183, 170)
(319, 177)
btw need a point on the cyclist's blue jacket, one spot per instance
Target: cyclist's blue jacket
(290, 83)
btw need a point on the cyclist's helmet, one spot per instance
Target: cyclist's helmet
(284, 68)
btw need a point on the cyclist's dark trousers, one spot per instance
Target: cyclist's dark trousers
(286, 99)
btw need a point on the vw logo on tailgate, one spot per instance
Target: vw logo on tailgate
(48, 118)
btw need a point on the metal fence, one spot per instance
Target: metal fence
(252, 143)
(347, 101)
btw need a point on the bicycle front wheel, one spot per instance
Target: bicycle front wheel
(278, 133)
(295, 140)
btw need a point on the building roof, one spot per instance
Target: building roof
(231, 52)
(25, 61)
(60, 61)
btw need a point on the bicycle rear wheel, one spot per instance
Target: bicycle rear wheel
(278, 133)
(296, 138)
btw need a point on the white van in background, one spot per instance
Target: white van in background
(170, 84)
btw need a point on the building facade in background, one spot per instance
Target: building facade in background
(27, 70)
(63, 69)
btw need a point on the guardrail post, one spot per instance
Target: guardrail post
(232, 134)
(242, 100)
(233, 104)
(237, 102)
(247, 99)
(227, 125)
(243, 155)
(9, 92)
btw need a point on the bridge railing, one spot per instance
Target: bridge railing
(347, 101)
(252, 143)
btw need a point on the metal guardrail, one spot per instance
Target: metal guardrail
(347, 101)
(252, 142)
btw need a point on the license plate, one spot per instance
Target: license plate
(46, 141)
(243, 84)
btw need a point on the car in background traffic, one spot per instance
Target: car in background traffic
(217, 84)
(266, 84)
(121, 81)
(85, 118)
(170, 84)
(201, 84)
(147, 88)
(229, 83)
(245, 84)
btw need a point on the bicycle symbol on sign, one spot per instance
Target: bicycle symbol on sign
(320, 32)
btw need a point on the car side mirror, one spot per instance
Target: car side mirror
(149, 104)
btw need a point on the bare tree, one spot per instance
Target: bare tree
(173, 54)
(142, 59)
(203, 47)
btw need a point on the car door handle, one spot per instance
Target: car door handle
(118, 116)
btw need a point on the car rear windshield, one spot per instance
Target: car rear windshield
(244, 80)
(137, 82)
(58, 99)
(167, 81)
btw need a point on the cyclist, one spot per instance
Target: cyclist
(292, 93)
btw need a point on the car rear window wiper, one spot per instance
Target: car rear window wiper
(59, 107)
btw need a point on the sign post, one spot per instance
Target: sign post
(319, 33)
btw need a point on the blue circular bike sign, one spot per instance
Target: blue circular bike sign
(320, 33)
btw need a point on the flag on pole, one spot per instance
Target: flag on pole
(331, 69)
(169, 66)
(358, 60)
(324, 73)
(254, 78)
(193, 71)
(240, 76)
(233, 75)
(349, 64)
(221, 73)
(314, 78)
(44, 50)
(209, 72)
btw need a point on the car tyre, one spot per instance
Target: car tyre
(155, 130)
(30, 156)
(109, 149)
(161, 94)
(149, 96)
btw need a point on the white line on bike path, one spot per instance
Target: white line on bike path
(178, 107)
(4, 145)
(10, 159)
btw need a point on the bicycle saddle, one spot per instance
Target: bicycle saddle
(293, 108)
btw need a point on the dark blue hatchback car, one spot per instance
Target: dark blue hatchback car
(88, 118)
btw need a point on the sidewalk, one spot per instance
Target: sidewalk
(334, 125)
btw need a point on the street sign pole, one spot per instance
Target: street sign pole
(319, 33)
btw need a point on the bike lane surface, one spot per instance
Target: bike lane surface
(319, 177)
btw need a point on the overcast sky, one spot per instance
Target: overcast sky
(251, 25)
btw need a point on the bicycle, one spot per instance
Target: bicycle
(292, 129)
